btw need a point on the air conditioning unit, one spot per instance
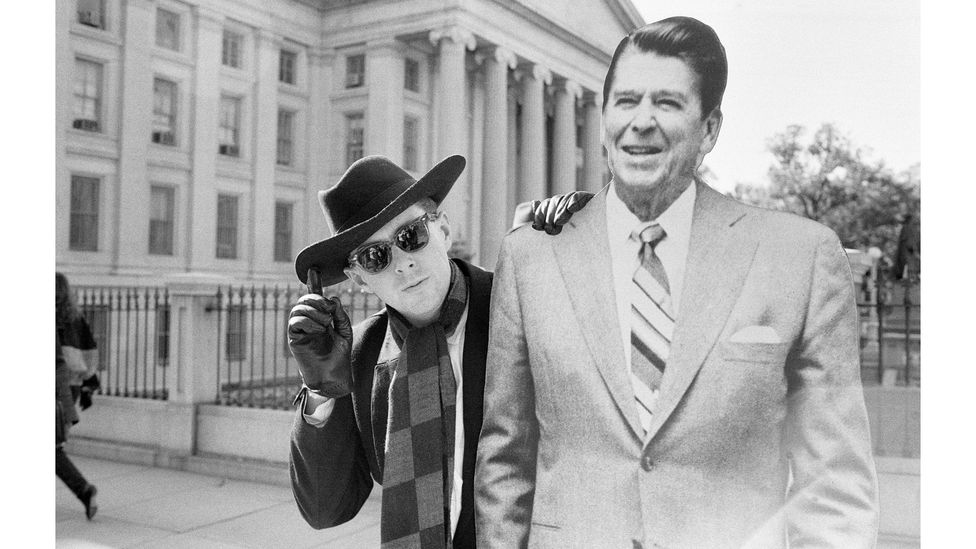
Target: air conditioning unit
(90, 18)
(229, 150)
(163, 138)
(87, 125)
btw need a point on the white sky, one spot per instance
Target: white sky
(855, 63)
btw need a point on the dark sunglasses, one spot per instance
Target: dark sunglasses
(373, 257)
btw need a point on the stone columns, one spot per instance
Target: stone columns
(202, 219)
(564, 138)
(494, 186)
(451, 132)
(260, 259)
(384, 111)
(320, 143)
(532, 172)
(594, 164)
(131, 227)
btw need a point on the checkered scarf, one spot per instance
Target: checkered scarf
(419, 463)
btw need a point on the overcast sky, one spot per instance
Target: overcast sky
(853, 63)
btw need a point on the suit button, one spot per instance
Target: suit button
(646, 463)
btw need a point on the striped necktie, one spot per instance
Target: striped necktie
(651, 324)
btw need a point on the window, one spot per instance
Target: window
(84, 214)
(410, 143)
(282, 236)
(227, 227)
(162, 335)
(287, 62)
(92, 13)
(355, 70)
(164, 112)
(354, 137)
(88, 96)
(236, 332)
(230, 119)
(161, 206)
(286, 121)
(232, 47)
(411, 74)
(167, 29)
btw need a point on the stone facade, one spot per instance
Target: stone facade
(166, 109)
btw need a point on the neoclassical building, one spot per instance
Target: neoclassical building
(194, 135)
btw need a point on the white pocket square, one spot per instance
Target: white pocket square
(755, 334)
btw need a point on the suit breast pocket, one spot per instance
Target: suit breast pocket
(767, 353)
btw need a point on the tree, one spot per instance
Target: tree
(827, 178)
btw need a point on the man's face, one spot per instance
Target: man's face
(652, 124)
(414, 283)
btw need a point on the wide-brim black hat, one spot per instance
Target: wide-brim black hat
(372, 192)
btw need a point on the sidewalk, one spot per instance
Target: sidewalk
(148, 507)
(145, 507)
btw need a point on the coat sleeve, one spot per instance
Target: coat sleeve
(330, 475)
(833, 498)
(505, 473)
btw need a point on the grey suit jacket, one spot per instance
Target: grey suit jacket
(756, 441)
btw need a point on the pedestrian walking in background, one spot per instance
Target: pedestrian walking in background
(67, 336)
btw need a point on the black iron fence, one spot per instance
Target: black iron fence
(891, 333)
(254, 365)
(131, 327)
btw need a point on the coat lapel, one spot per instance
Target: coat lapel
(720, 253)
(582, 254)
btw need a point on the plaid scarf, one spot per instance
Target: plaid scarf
(419, 461)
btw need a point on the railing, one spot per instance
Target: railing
(254, 365)
(891, 335)
(131, 327)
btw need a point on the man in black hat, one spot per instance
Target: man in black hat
(399, 398)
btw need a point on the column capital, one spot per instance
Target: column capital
(541, 73)
(570, 88)
(454, 33)
(505, 56)
(536, 71)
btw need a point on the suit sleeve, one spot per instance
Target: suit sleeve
(833, 497)
(330, 475)
(505, 474)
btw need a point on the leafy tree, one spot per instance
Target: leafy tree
(828, 178)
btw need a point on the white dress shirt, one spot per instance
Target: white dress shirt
(672, 250)
(318, 408)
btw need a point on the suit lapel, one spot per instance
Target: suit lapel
(719, 255)
(582, 253)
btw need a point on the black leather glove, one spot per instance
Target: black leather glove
(552, 213)
(320, 338)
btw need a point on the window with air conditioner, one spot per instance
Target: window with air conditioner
(87, 108)
(164, 112)
(230, 130)
(91, 13)
(355, 70)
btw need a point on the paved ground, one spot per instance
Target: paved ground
(146, 507)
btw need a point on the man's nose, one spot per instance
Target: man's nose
(402, 261)
(645, 117)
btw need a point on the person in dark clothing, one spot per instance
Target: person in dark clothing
(65, 413)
